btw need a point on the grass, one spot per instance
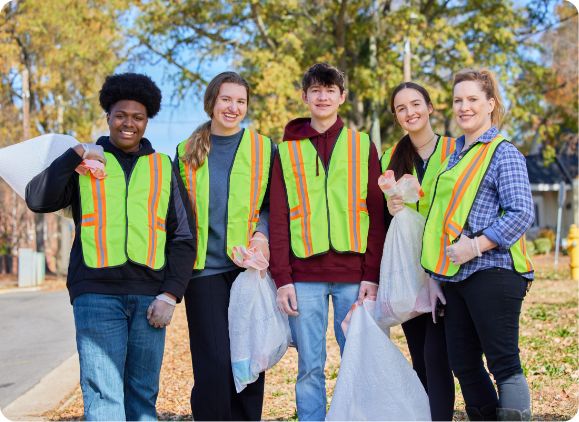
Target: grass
(548, 343)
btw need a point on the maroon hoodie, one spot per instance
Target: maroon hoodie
(332, 266)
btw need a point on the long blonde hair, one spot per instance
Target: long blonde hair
(488, 83)
(199, 143)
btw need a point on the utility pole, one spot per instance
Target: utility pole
(407, 57)
(375, 128)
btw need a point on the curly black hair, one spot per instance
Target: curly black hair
(131, 86)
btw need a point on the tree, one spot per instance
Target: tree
(63, 49)
(273, 42)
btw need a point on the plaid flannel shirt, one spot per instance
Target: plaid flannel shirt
(504, 190)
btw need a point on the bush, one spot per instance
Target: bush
(543, 245)
(549, 234)
(531, 248)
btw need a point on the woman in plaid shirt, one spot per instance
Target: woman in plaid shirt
(474, 243)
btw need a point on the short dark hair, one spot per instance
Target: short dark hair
(130, 86)
(325, 75)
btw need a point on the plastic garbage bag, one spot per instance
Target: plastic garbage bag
(19, 163)
(259, 332)
(375, 381)
(403, 291)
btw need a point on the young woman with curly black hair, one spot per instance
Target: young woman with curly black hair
(131, 257)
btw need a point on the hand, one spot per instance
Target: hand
(259, 242)
(160, 312)
(287, 301)
(368, 290)
(395, 204)
(462, 251)
(435, 293)
(91, 152)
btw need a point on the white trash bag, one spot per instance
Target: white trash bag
(259, 332)
(403, 291)
(19, 163)
(375, 381)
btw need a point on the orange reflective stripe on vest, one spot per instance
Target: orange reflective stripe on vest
(98, 219)
(257, 145)
(303, 209)
(154, 195)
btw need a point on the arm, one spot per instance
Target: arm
(377, 231)
(180, 246)
(279, 236)
(515, 199)
(53, 188)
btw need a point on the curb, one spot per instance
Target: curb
(19, 289)
(45, 395)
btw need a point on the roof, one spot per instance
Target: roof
(548, 178)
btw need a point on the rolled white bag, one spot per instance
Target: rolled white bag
(19, 163)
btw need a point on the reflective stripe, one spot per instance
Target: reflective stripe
(88, 220)
(523, 246)
(457, 193)
(353, 183)
(255, 184)
(100, 203)
(300, 174)
(191, 188)
(446, 148)
(155, 177)
(295, 212)
(453, 228)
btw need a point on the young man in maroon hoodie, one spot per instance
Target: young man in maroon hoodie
(326, 227)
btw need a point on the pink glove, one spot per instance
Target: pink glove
(96, 168)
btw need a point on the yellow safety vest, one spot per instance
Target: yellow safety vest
(248, 181)
(125, 220)
(454, 194)
(327, 209)
(445, 146)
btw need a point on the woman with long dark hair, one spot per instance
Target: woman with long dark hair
(421, 152)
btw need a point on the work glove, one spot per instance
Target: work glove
(287, 301)
(260, 243)
(91, 152)
(368, 290)
(160, 311)
(395, 204)
(463, 251)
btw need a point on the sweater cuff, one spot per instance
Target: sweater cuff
(371, 274)
(174, 287)
(283, 280)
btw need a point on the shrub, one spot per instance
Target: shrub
(549, 234)
(531, 248)
(543, 245)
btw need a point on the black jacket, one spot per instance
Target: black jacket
(57, 187)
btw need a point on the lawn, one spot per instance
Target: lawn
(548, 349)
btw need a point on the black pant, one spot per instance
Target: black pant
(213, 396)
(427, 345)
(482, 316)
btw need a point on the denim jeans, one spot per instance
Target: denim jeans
(120, 356)
(309, 333)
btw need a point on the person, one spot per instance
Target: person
(130, 259)
(474, 242)
(422, 152)
(226, 172)
(326, 227)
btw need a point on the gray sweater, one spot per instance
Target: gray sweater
(220, 160)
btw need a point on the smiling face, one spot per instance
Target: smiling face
(229, 110)
(472, 109)
(127, 122)
(324, 101)
(412, 111)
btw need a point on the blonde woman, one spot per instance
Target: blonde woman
(474, 242)
(225, 169)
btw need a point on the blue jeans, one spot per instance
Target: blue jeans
(120, 356)
(309, 333)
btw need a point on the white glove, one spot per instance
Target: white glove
(463, 251)
(395, 204)
(368, 290)
(160, 311)
(91, 152)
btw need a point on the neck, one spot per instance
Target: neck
(423, 141)
(470, 138)
(322, 125)
(222, 131)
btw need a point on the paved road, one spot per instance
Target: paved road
(36, 336)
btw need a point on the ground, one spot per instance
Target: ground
(548, 350)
